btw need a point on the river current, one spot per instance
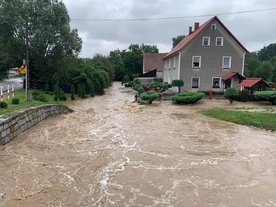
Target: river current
(113, 152)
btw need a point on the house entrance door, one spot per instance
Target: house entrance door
(228, 83)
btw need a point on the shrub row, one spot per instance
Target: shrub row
(187, 97)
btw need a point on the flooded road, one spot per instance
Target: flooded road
(112, 152)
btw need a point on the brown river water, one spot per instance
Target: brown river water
(113, 152)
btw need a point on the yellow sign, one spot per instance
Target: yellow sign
(22, 69)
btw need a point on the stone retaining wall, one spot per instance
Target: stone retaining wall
(14, 124)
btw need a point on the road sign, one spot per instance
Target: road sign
(22, 69)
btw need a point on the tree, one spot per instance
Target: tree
(264, 70)
(50, 37)
(230, 94)
(178, 83)
(251, 64)
(267, 52)
(176, 40)
(130, 61)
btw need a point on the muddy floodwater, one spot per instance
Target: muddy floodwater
(113, 152)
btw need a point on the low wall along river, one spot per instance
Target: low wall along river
(14, 124)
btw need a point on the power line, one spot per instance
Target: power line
(172, 18)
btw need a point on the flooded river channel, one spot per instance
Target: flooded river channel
(113, 152)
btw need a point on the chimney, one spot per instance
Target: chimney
(190, 30)
(196, 25)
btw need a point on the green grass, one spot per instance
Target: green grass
(258, 119)
(21, 95)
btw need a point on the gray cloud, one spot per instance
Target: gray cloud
(254, 30)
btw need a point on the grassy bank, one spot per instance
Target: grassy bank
(21, 95)
(263, 119)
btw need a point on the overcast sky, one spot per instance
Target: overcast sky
(253, 29)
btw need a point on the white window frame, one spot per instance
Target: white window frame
(199, 62)
(203, 41)
(223, 61)
(198, 82)
(213, 26)
(217, 38)
(213, 81)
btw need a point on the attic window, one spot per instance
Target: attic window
(213, 26)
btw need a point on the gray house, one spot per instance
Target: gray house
(209, 57)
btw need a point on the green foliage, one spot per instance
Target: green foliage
(257, 119)
(51, 40)
(126, 79)
(265, 96)
(40, 97)
(176, 40)
(178, 83)
(267, 52)
(79, 90)
(82, 92)
(130, 61)
(15, 101)
(149, 96)
(264, 70)
(187, 97)
(92, 90)
(62, 96)
(3, 105)
(230, 94)
(244, 96)
(56, 92)
(72, 92)
(141, 90)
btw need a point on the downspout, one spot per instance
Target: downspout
(179, 60)
(243, 62)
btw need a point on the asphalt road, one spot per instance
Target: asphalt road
(16, 82)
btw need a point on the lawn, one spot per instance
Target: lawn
(265, 118)
(21, 95)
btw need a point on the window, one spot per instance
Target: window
(216, 82)
(226, 62)
(213, 26)
(195, 82)
(196, 61)
(219, 41)
(174, 61)
(169, 64)
(206, 41)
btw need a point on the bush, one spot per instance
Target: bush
(231, 94)
(15, 101)
(178, 83)
(265, 96)
(62, 96)
(140, 90)
(244, 96)
(187, 97)
(3, 105)
(40, 97)
(149, 96)
(72, 92)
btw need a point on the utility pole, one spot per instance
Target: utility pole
(27, 61)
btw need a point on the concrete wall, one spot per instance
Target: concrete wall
(14, 124)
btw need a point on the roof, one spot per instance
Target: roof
(191, 36)
(249, 82)
(151, 73)
(232, 74)
(153, 61)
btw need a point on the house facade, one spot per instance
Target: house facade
(209, 57)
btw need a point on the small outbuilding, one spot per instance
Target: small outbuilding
(257, 84)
